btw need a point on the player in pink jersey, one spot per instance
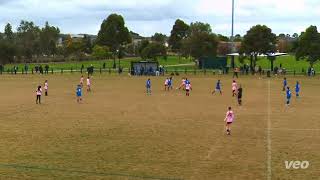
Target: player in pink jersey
(229, 120)
(46, 86)
(88, 84)
(166, 84)
(81, 81)
(183, 84)
(188, 89)
(38, 93)
(234, 88)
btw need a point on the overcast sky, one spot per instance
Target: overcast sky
(149, 16)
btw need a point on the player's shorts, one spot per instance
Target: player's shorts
(188, 90)
(229, 122)
(79, 94)
(218, 89)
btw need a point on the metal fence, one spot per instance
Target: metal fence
(172, 72)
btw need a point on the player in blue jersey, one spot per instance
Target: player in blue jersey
(298, 88)
(288, 93)
(218, 87)
(187, 81)
(170, 84)
(148, 86)
(79, 93)
(285, 84)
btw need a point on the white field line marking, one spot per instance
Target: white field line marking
(288, 129)
(269, 170)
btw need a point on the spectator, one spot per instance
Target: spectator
(26, 68)
(46, 69)
(260, 70)
(15, 69)
(41, 69)
(36, 68)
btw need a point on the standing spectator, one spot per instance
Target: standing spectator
(260, 70)
(36, 68)
(41, 69)
(46, 69)
(82, 67)
(15, 69)
(26, 68)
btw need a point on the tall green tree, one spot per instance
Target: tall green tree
(237, 38)
(114, 34)
(48, 37)
(258, 40)
(7, 46)
(223, 38)
(88, 44)
(8, 33)
(200, 41)
(309, 45)
(178, 33)
(153, 51)
(28, 39)
(101, 52)
(144, 43)
(159, 38)
(7, 52)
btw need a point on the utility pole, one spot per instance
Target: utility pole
(232, 28)
(232, 37)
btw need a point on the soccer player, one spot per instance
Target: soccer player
(187, 81)
(88, 84)
(79, 93)
(234, 88)
(46, 86)
(166, 84)
(188, 89)
(229, 120)
(38, 93)
(240, 95)
(183, 84)
(298, 87)
(170, 85)
(81, 81)
(288, 96)
(285, 84)
(218, 87)
(148, 86)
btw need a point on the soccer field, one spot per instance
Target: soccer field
(120, 133)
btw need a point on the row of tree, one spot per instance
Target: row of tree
(29, 41)
(114, 40)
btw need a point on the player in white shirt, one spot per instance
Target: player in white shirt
(234, 88)
(188, 89)
(88, 84)
(183, 84)
(81, 81)
(166, 84)
(46, 86)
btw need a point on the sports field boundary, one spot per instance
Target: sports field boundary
(269, 128)
(29, 167)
